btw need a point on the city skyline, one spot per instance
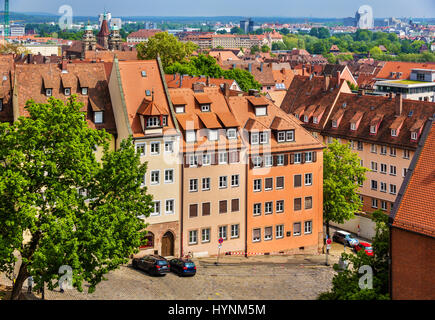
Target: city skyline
(190, 8)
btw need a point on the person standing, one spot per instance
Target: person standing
(29, 284)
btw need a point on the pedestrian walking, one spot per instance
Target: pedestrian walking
(29, 284)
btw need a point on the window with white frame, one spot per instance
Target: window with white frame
(393, 132)
(334, 123)
(257, 160)
(156, 208)
(268, 233)
(383, 150)
(260, 111)
(206, 159)
(290, 135)
(280, 160)
(191, 136)
(374, 203)
(279, 231)
(155, 177)
(235, 180)
(281, 136)
(305, 118)
(205, 108)
(98, 117)
(255, 138)
(205, 235)
(223, 182)
(374, 166)
(308, 227)
(232, 134)
(193, 236)
(257, 185)
(143, 183)
(257, 209)
(223, 232)
(392, 151)
(297, 229)
(234, 231)
(308, 179)
(164, 121)
(392, 188)
(298, 158)
(193, 160)
(393, 170)
(205, 184)
(155, 148)
(383, 187)
(373, 148)
(360, 146)
(264, 137)
(223, 157)
(141, 148)
(353, 126)
(169, 146)
(84, 91)
(383, 168)
(193, 185)
(413, 135)
(372, 129)
(169, 175)
(169, 206)
(256, 235)
(308, 157)
(315, 120)
(212, 135)
(405, 154)
(404, 172)
(384, 205)
(153, 122)
(268, 160)
(374, 185)
(48, 92)
(279, 206)
(179, 109)
(67, 91)
(268, 207)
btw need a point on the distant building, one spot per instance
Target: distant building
(102, 16)
(116, 22)
(364, 17)
(142, 35)
(247, 25)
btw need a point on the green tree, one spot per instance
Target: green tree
(284, 31)
(375, 52)
(44, 160)
(321, 33)
(255, 49)
(12, 48)
(237, 30)
(167, 46)
(331, 58)
(265, 48)
(341, 174)
(243, 78)
(346, 282)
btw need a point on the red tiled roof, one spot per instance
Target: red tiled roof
(416, 208)
(144, 33)
(403, 67)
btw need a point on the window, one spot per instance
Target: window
(48, 92)
(305, 118)
(268, 184)
(169, 175)
(374, 185)
(179, 109)
(205, 235)
(308, 227)
(222, 182)
(268, 161)
(298, 158)
(231, 134)
(264, 137)
(67, 91)
(374, 166)
(193, 210)
(279, 182)
(190, 136)
(280, 160)
(193, 160)
(383, 150)
(254, 138)
(360, 182)
(193, 236)
(235, 180)
(329, 140)
(372, 129)
(413, 135)
(169, 207)
(268, 233)
(234, 231)
(84, 91)
(223, 232)
(297, 204)
(281, 136)
(360, 146)
(279, 231)
(257, 160)
(235, 205)
(384, 205)
(261, 111)
(257, 209)
(279, 206)
(383, 187)
(308, 157)
(315, 120)
(297, 229)
(353, 126)
(256, 235)
(98, 117)
(297, 180)
(268, 207)
(193, 185)
(223, 206)
(206, 209)
(308, 179)
(156, 208)
(374, 203)
(392, 188)
(212, 135)
(308, 203)
(205, 184)
(155, 177)
(206, 159)
(334, 123)
(155, 148)
(383, 168)
(290, 135)
(140, 148)
(257, 185)
(223, 157)
(144, 74)
(169, 146)
(392, 151)
(373, 148)
(164, 121)
(404, 171)
(205, 107)
(405, 154)
(393, 170)
(153, 122)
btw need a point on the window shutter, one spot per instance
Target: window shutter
(193, 210)
(251, 162)
(206, 209)
(186, 161)
(237, 156)
(292, 158)
(285, 159)
(280, 182)
(256, 233)
(314, 156)
(303, 157)
(223, 206)
(234, 205)
(275, 160)
(268, 183)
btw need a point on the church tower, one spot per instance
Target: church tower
(88, 40)
(115, 39)
(103, 35)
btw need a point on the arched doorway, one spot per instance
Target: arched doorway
(168, 244)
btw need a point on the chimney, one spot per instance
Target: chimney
(64, 65)
(303, 70)
(198, 87)
(250, 67)
(29, 58)
(226, 90)
(261, 67)
(337, 76)
(326, 82)
(399, 104)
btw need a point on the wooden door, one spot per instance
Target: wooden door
(168, 244)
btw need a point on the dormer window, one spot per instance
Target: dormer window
(205, 108)
(393, 132)
(48, 92)
(212, 135)
(315, 120)
(67, 91)
(98, 117)
(153, 122)
(281, 136)
(84, 91)
(334, 123)
(164, 121)
(353, 126)
(261, 111)
(372, 129)
(306, 119)
(232, 134)
(414, 135)
(290, 135)
(296, 116)
(179, 109)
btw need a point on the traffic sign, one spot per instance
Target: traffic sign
(221, 240)
(328, 241)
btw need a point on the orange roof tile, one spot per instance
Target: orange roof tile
(403, 67)
(149, 108)
(210, 120)
(202, 99)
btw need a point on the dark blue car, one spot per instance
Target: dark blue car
(183, 267)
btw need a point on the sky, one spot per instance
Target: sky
(248, 8)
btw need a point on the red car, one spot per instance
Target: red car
(364, 245)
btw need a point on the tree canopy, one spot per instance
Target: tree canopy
(342, 173)
(75, 210)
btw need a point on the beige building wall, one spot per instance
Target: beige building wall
(215, 219)
(45, 50)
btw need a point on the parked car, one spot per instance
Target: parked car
(183, 267)
(364, 245)
(152, 264)
(344, 238)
